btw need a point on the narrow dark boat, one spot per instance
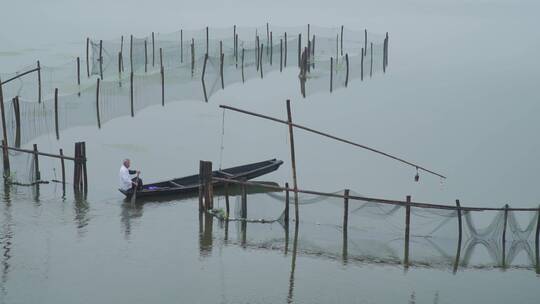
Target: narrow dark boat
(190, 184)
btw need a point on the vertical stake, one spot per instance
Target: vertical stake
(63, 172)
(36, 164)
(153, 51)
(5, 152)
(131, 94)
(131, 52)
(285, 57)
(293, 160)
(101, 59)
(331, 73)
(181, 46)
(79, 75)
(39, 81)
(281, 55)
(56, 113)
(407, 230)
(243, 80)
(371, 62)
(97, 105)
(342, 40)
(504, 236)
(145, 56)
(87, 57)
(460, 233)
(345, 224)
(347, 72)
(299, 48)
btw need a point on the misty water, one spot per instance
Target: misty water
(460, 96)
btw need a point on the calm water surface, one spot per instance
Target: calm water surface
(460, 97)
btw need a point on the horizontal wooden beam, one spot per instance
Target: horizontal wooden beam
(43, 153)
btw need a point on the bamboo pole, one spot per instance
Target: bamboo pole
(79, 75)
(207, 40)
(235, 49)
(236, 54)
(299, 47)
(145, 56)
(76, 168)
(537, 241)
(362, 66)
(17, 110)
(267, 37)
(243, 79)
(39, 81)
(281, 55)
(120, 69)
(347, 72)
(36, 163)
(460, 236)
(131, 94)
(87, 57)
(371, 62)
(131, 52)
(221, 59)
(504, 236)
(193, 56)
(261, 60)
(313, 52)
(345, 226)
(365, 41)
(227, 210)
(342, 40)
(153, 50)
(162, 86)
(335, 138)
(287, 203)
(83, 160)
(293, 159)
(285, 57)
(122, 52)
(5, 153)
(271, 47)
(244, 200)
(202, 77)
(407, 230)
(40, 153)
(161, 57)
(20, 75)
(181, 46)
(331, 73)
(101, 59)
(97, 105)
(201, 186)
(63, 173)
(56, 113)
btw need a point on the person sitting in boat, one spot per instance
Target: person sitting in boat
(126, 181)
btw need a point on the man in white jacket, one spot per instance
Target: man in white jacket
(126, 181)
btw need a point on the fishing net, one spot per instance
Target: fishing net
(376, 232)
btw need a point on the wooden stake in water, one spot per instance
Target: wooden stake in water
(243, 80)
(271, 48)
(101, 59)
(181, 46)
(5, 153)
(131, 94)
(17, 110)
(145, 56)
(36, 164)
(119, 69)
(202, 77)
(342, 40)
(299, 48)
(131, 52)
(362, 66)
(407, 229)
(347, 71)
(293, 159)
(260, 60)
(280, 55)
(285, 55)
(460, 233)
(221, 59)
(345, 225)
(286, 219)
(504, 236)
(39, 81)
(97, 105)
(63, 173)
(371, 62)
(365, 42)
(56, 113)
(153, 51)
(331, 73)
(193, 56)
(79, 76)
(87, 57)
(207, 40)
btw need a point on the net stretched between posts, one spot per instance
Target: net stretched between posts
(235, 55)
(376, 232)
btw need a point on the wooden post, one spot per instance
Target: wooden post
(56, 113)
(153, 50)
(331, 73)
(131, 52)
(261, 60)
(161, 57)
(267, 37)
(244, 199)
(207, 40)
(39, 81)
(460, 234)
(287, 203)
(347, 72)
(384, 56)
(345, 225)
(202, 76)
(145, 56)
(371, 62)
(299, 48)
(365, 42)
(227, 210)
(36, 164)
(271, 45)
(313, 52)
(79, 75)
(342, 40)
(243, 80)
(87, 57)
(83, 160)
(235, 48)
(122, 52)
(236, 54)
(76, 168)
(537, 242)
(17, 110)
(407, 229)
(362, 66)
(97, 105)
(293, 160)
(181, 46)
(5, 152)
(201, 185)
(193, 56)
(257, 48)
(285, 57)
(101, 59)
(63, 173)
(221, 59)
(386, 53)
(281, 55)
(504, 236)
(119, 69)
(131, 94)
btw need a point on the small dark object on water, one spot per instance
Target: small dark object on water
(190, 184)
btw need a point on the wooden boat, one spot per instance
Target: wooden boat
(190, 184)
